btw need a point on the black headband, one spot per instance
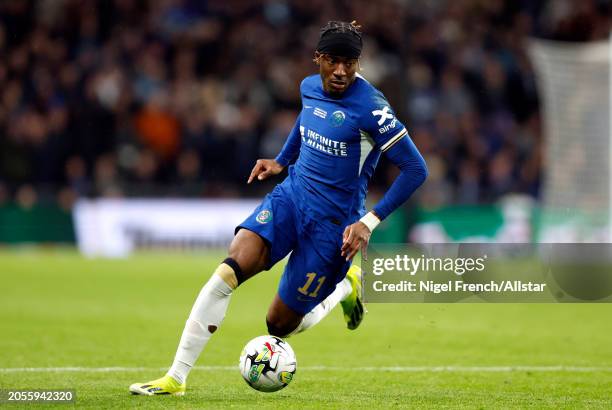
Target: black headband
(342, 44)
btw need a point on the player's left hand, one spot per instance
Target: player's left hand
(355, 237)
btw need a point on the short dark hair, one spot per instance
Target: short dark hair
(341, 27)
(340, 38)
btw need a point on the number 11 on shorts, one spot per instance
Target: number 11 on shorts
(311, 278)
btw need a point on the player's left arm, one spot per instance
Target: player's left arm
(392, 139)
(413, 172)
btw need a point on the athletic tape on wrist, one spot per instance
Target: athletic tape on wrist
(370, 220)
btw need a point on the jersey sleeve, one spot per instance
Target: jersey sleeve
(392, 139)
(381, 124)
(413, 172)
(291, 148)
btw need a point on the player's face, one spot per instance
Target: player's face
(337, 73)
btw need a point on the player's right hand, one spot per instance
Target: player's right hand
(265, 168)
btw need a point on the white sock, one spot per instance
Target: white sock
(205, 318)
(342, 291)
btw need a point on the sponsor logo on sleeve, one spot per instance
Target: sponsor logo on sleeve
(385, 114)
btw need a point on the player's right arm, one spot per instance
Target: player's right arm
(291, 149)
(265, 168)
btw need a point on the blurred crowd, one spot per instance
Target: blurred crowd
(122, 98)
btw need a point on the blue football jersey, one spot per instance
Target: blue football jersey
(338, 142)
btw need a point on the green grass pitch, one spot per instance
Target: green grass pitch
(59, 310)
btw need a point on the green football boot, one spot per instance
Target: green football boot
(163, 386)
(353, 306)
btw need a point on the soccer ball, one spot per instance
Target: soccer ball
(267, 363)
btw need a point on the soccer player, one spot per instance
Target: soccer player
(317, 212)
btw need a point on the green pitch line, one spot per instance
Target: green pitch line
(397, 369)
(58, 310)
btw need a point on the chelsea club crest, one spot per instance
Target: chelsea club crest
(337, 119)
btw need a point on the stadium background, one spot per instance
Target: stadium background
(178, 98)
(134, 99)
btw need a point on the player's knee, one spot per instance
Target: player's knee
(279, 328)
(250, 252)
